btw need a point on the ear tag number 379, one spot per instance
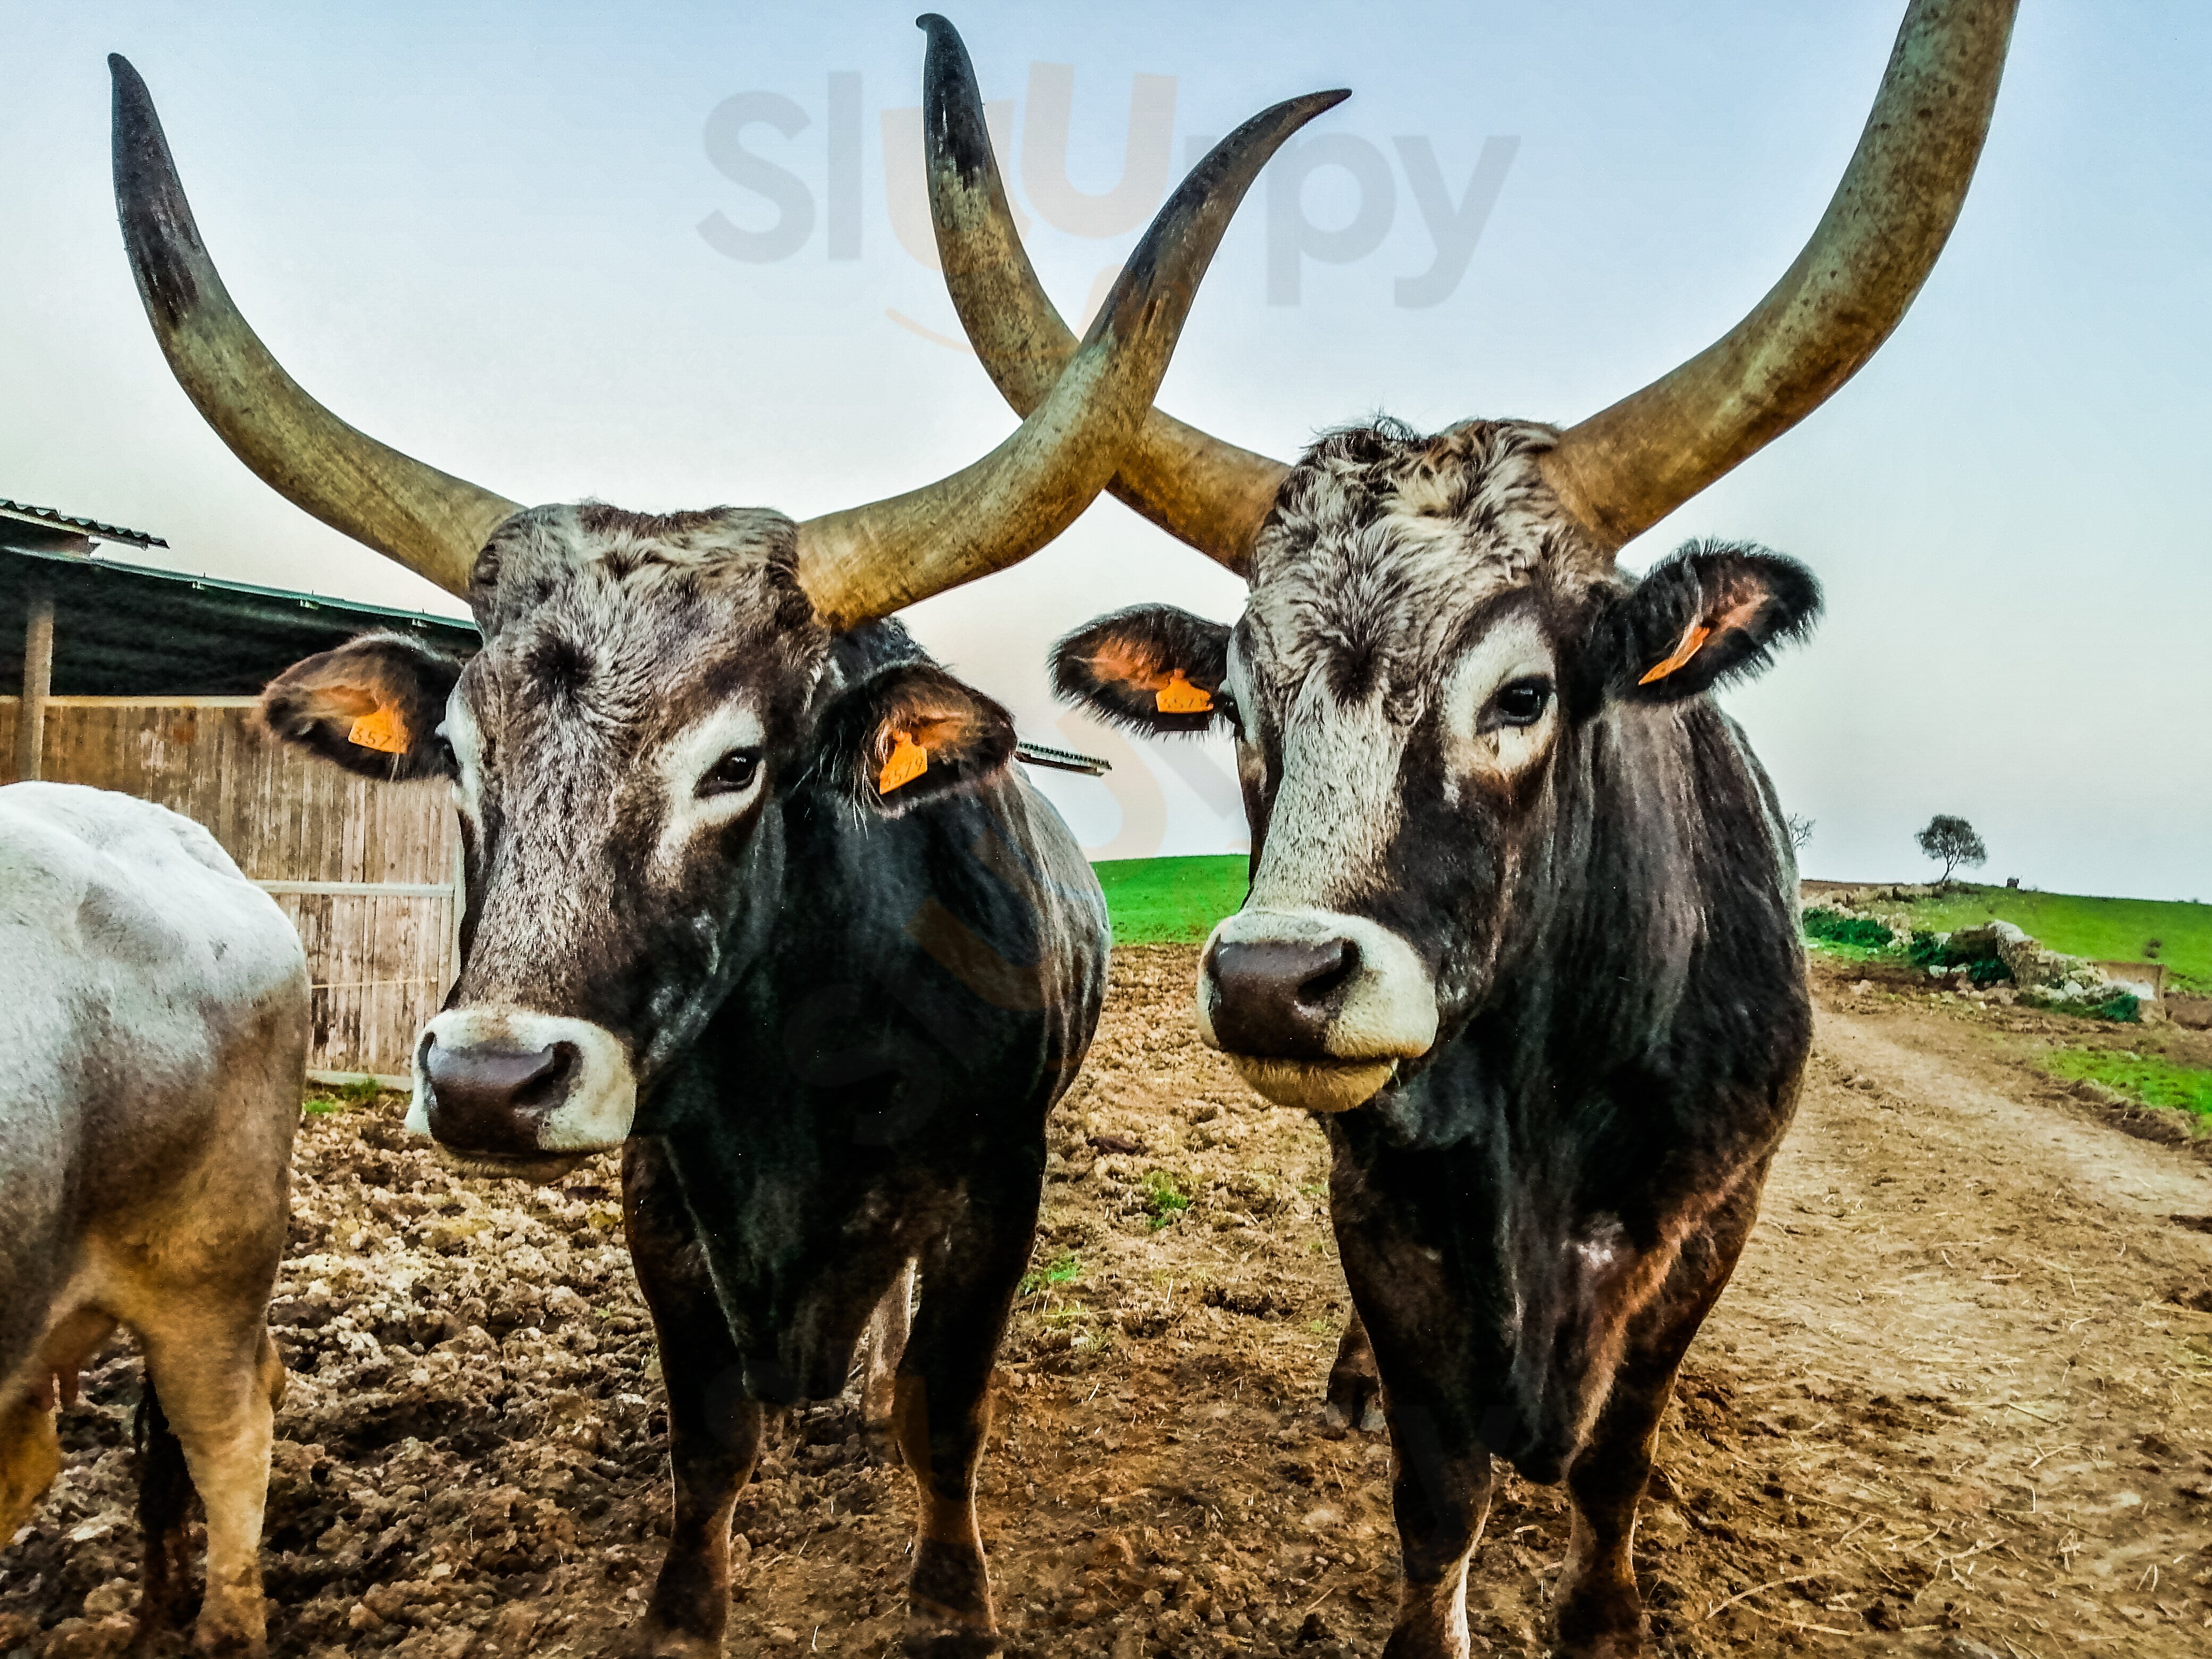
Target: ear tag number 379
(1180, 696)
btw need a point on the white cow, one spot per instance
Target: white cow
(153, 1035)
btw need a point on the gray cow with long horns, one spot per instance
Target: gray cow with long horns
(751, 892)
(1522, 921)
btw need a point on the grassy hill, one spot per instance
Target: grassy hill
(2112, 929)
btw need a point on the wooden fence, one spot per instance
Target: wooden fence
(368, 872)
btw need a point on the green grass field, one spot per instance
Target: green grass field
(1171, 900)
(2110, 929)
(1177, 900)
(2146, 1078)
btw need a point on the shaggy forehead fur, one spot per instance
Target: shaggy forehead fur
(626, 616)
(1383, 543)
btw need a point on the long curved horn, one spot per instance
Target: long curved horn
(1628, 467)
(431, 522)
(1208, 493)
(869, 561)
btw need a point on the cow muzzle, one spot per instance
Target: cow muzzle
(1314, 1009)
(510, 1092)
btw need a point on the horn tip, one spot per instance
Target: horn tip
(134, 99)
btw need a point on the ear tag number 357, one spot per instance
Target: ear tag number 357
(908, 761)
(379, 729)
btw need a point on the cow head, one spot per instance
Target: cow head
(1420, 690)
(648, 688)
(649, 684)
(1438, 642)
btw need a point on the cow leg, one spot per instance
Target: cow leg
(45, 1371)
(30, 1455)
(165, 1492)
(713, 1426)
(1440, 1494)
(1599, 1615)
(888, 1328)
(941, 1414)
(1355, 1388)
(218, 1385)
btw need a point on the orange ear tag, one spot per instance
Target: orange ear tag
(1180, 696)
(379, 729)
(1696, 637)
(908, 761)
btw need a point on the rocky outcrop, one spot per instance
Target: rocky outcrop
(2038, 973)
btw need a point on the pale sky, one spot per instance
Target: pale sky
(519, 241)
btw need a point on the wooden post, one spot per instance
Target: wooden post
(38, 681)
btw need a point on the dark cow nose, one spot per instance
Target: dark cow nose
(494, 1100)
(1273, 999)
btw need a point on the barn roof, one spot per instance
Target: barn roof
(45, 516)
(123, 630)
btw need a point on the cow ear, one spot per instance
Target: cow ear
(1152, 669)
(1709, 611)
(374, 706)
(903, 738)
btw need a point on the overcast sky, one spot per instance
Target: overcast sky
(651, 257)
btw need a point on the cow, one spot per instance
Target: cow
(750, 890)
(150, 1071)
(1522, 924)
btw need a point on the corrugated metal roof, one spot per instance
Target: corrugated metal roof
(106, 532)
(123, 630)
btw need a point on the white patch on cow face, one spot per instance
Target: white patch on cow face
(1237, 682)
(705, 779)
(1486, 700)
(466, 742)
(1337, 805)
(602, 1099)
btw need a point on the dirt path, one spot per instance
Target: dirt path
(1955, 1403)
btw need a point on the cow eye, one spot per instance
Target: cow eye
(1524, 701)
(732, 775)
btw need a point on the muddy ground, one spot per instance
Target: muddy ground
(1959, 1400)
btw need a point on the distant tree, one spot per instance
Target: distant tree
(1801, 832)
(1951, 843)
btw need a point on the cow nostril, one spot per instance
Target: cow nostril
(487, 1099)
(550, 1084)
(1326, 979)
(1278, 997)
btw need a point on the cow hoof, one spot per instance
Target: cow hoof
(1355, 1402)
(1603, 1633)
(926, 1639)
(659, 1642)
(955, 1622)
(1619, 1645)
(1355, 1410)
(231, 1641)
(881, 1444)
